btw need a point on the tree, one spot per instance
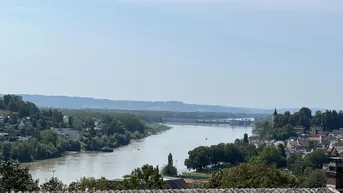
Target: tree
(316, 179)
(70, 121)
(2, 104)
(316, 159)
(48, 136)
(92, 132)
(310, 144)
(250, 175)
(169, 169)
(282, 149)
(75, 186)
(104, 184)
(7, 150)
(270, 155)
(291, 161)
(87, 183)
(53, 185)
(275, 112)
(13, 119)
(16, 178)
(306, 112)
(245, 138)
(6, 120)
(146, 177)
(286, 132)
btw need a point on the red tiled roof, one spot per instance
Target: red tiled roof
(314, 138)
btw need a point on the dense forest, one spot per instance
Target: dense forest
(328, 120)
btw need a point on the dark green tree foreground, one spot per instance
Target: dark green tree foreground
(251, 175)
(14, 177)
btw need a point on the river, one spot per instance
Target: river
(153, 150)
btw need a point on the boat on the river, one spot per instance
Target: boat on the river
(106, 149)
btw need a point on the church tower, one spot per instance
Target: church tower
(274, 114)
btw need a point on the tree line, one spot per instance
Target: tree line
(231, 154)
(46, 145)
(160, 116)
(329, 120)
(281, 127)
(205, 157)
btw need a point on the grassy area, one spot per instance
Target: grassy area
(4, 112)
(195, 175)
(155, 128)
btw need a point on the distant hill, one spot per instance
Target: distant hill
(65, 102)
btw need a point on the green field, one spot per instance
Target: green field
(195, 175)
(4, 112)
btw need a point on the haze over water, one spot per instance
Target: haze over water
(151, 150)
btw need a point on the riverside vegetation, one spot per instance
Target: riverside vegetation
(22, 119)
(246, 161)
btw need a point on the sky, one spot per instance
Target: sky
(242, 53)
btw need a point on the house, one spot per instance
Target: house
(76, 135)
(299, 130)
(21, 138)
(337, 151)
(175, 183)
(337, 133)
(316, 130)
(98, 126)
(4, 137)
(21, 125)
(334, 173)
(298, 146)
(24, 122)
(292, 143)
(279, 142)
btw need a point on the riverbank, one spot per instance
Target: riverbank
(153, 149)
(97, 143)
(150, 129)
(156, 128)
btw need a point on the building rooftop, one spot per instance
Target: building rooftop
(257, 190)
(335, 158)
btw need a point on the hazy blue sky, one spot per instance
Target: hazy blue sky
(257, 53)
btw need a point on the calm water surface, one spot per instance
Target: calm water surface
(152, 150)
